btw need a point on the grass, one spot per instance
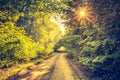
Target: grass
(8, 72)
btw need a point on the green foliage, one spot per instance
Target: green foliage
(15, 46)
(26, 31)
(97, 52)
(50, 36)
(97, 48)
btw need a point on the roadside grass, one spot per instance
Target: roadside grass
(74, 66)
(8, 72)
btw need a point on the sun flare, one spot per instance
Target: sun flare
(83, 14)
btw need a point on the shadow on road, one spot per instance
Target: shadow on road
(57, 67)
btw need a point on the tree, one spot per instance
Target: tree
(26, 29)
(94, 41)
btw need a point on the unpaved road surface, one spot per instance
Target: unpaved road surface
(58, 67)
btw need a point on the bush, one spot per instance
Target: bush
(15, 46)
(100, 56)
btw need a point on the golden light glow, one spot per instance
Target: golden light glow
(83, 14)
(58, 20)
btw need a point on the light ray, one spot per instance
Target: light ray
(84, 16)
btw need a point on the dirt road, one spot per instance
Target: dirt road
(58, 67)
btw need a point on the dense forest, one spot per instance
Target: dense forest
(91, 38)
(26, 31)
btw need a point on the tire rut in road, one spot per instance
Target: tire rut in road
(62, 71)
(51, 70)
